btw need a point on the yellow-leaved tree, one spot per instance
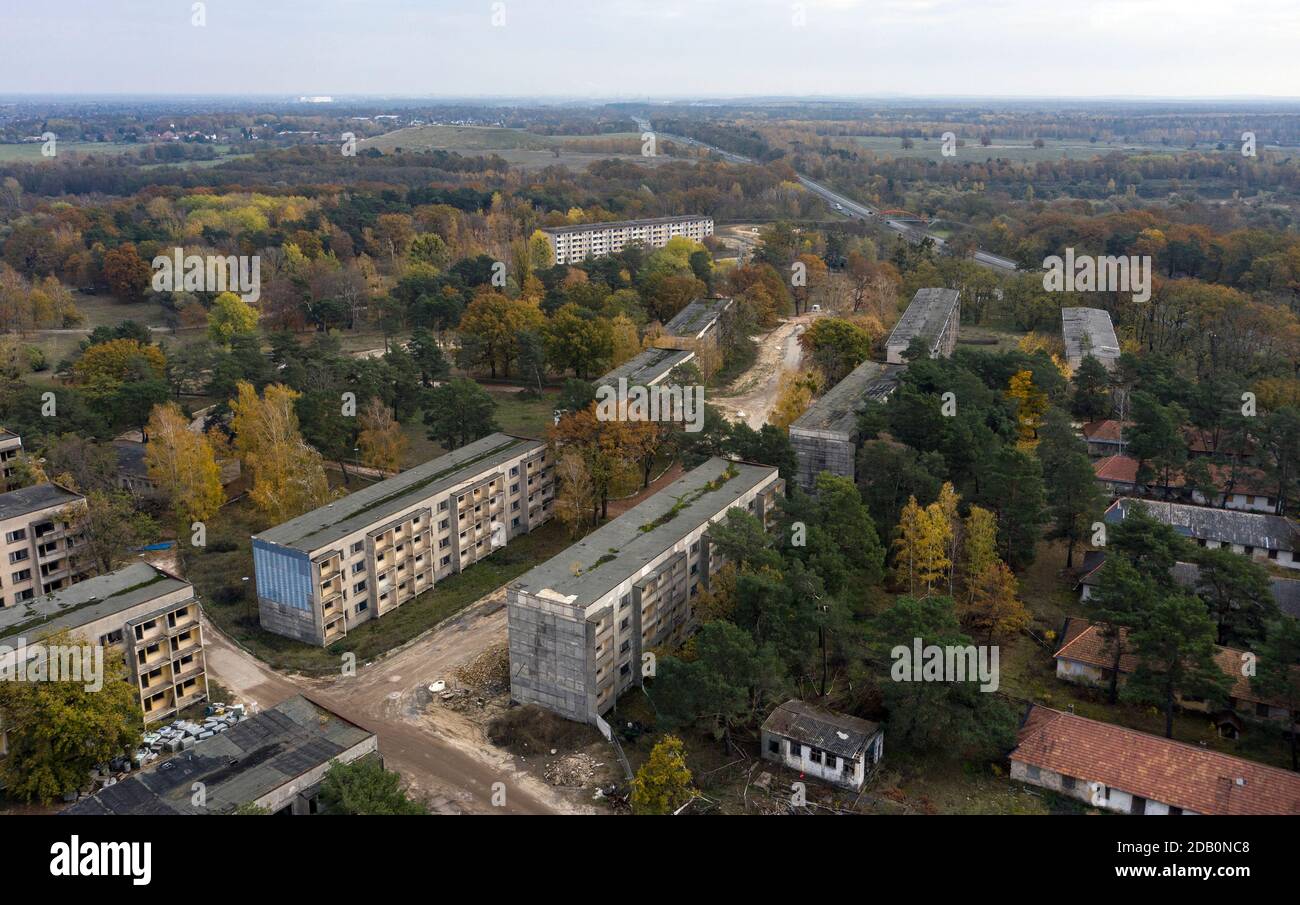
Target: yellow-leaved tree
(1031, 406)
(793, 396)
(184, 466)
(382, 442)
(231, 316)
(663, 784)
(989, 606)
(948, 501)
(921, 548)
(288, 474)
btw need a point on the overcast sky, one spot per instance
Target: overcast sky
(637, 48)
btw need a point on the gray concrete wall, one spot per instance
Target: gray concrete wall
(290, 622)
(548, 656)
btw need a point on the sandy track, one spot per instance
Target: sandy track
(754, 393)
(441, 755)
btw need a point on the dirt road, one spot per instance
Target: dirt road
(441, 755)
(752, 395)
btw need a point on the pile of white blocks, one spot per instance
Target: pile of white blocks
(182, 735)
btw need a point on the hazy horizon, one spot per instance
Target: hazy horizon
(634, 50)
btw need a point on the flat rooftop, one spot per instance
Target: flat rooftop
(34, 499)
(1088, 331)
(375, 503)
(836, 411)
(696, 316)
(89, 600)
(7, 435)
(621, 548)
(620, 224)
(237, 767)
(924, 317)
(649, 367)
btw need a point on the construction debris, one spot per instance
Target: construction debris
(572, 771)
(182, 735)
(489, 672)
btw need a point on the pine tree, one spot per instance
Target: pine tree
(1175, 651)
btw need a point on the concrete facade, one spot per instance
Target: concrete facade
(38, 543)
(139, 612)
(11, 446)
(934, 316)
(361, 557)
(825, 438)
(571, 244)
(580, 623)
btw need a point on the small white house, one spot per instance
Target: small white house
(821, 743)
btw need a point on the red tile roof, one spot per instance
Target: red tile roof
(1084, 642)
(1122, 469)
(1105, 431)
(1184, 776)
(1205, 442)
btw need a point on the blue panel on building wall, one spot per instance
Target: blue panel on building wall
(283, 575)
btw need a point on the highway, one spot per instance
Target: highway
(850, 208)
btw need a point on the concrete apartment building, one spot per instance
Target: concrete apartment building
(274, 760)
(11, 446)
(571, 244)
(146, 615)
(36, 543)
(359, 558)
(699, 325)
(649, 368)
(825, 438)
(580, 622)
(1089, 331)
(934, 315)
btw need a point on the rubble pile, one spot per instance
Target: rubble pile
(489, 672)
(572, 770)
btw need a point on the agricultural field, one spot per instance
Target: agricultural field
(29, 152)
(517, 147)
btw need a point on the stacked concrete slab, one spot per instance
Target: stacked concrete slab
(825, 438)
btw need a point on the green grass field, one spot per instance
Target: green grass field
(515, 146)
(31, 151)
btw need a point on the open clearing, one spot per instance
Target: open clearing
(515, 146)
